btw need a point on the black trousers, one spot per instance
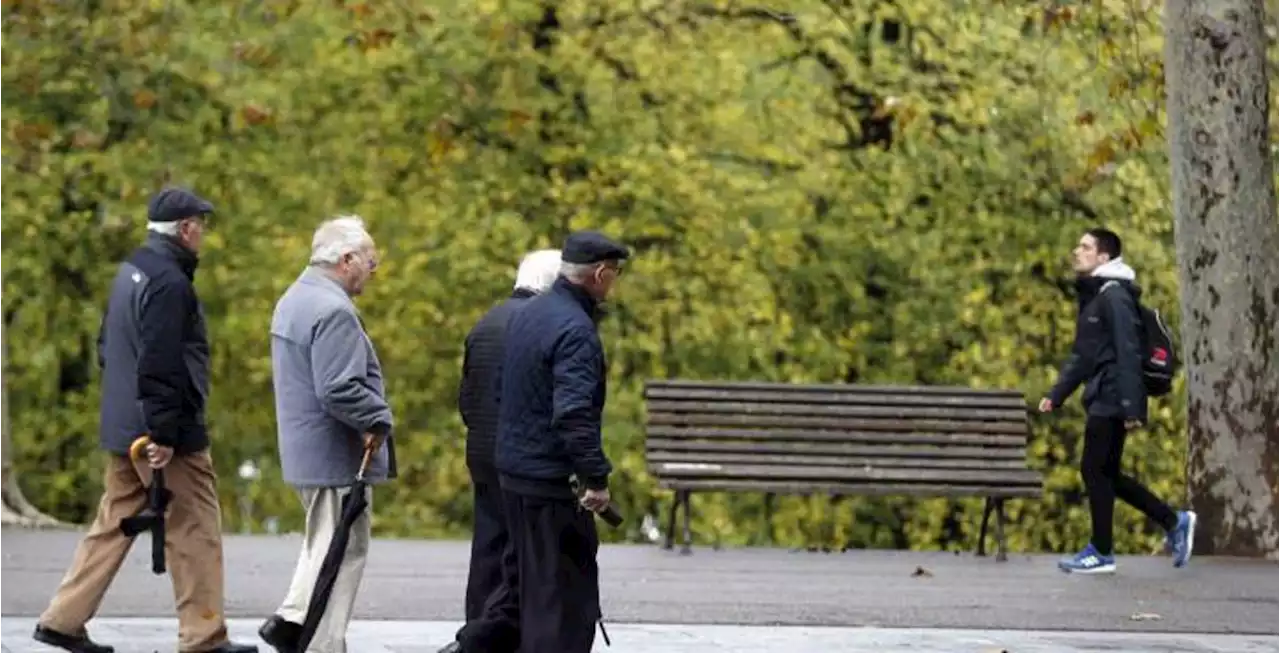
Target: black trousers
(559, 587)
(492, 602)
(1100, 467)
(488, 540)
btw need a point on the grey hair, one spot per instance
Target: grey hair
(338, 237)
(577, 271)
(166, 228)
(538, 270)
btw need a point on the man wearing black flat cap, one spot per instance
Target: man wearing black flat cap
(154, 356)
(552, 393)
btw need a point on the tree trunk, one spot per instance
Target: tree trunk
(1224, 205)
(14, 507)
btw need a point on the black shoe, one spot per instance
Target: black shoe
(72, 643)
(282, 635)
(232, 647)
(451, 647)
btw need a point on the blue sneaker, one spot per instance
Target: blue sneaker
(1179, 541)
(1089, 561)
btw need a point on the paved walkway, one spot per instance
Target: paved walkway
(146, 635)
(743, 600)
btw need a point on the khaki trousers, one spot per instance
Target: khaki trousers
(193, 549)
(323, 513)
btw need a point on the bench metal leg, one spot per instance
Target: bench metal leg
(982, 530)
(995, 505)
(668, 538)
(768, 517)
(1001, 551)
(688, 532)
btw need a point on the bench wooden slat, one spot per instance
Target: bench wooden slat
(852, 474)
(847, 396)
(904, 413)
(836, 423)
(659, 459)
(958, 391)
(848, 489)
(867, 437)
(895, 448)
(838, 440)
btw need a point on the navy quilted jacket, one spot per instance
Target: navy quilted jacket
(553, 391)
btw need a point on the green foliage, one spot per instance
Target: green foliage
(879, 194)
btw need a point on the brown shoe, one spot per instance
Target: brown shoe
(72, 643)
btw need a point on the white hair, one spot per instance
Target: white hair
(577, 271)
(166, 228)
(338, 237)
(538, 270)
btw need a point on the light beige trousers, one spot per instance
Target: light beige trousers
(323, 513)
(192, 543)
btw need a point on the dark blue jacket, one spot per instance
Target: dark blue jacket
(477, 397)
(154, 352)
(1107, 353)
(552, 394)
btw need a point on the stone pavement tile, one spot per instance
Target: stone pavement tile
(148, 635)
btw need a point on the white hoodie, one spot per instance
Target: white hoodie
(1116, 268)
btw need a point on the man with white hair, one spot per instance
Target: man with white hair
(553, 387)
(330, 406)
(154, 355)
(492, 617)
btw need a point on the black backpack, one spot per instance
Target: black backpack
(1159, 359)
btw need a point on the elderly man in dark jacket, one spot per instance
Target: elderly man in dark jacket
(553, 394)
(154, 354)
(1107, 358)
(491, 607)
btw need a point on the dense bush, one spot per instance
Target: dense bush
(884, 194)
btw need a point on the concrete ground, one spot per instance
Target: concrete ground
(659, 600)
(146, 635)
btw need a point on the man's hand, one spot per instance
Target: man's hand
(373, 442)
(1132, 424)
(595, 500)
(1046, 405)
(158, 456)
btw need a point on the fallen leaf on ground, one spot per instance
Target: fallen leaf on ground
(921, 571)
(1144, 616)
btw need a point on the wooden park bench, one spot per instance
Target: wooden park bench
(838, 440)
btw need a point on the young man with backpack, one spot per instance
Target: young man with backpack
(1122, 354)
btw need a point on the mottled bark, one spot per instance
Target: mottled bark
(14, 507)
(1224, 202)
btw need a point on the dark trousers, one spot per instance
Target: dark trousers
(559, 589)
(492, 602)
(488, 541)
(1100, 468)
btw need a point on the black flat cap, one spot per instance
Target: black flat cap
(176, 203)
(591, 247)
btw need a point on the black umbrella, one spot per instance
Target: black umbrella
(151, 517)
(353, 505)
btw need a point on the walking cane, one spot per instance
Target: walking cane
(151, 517)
